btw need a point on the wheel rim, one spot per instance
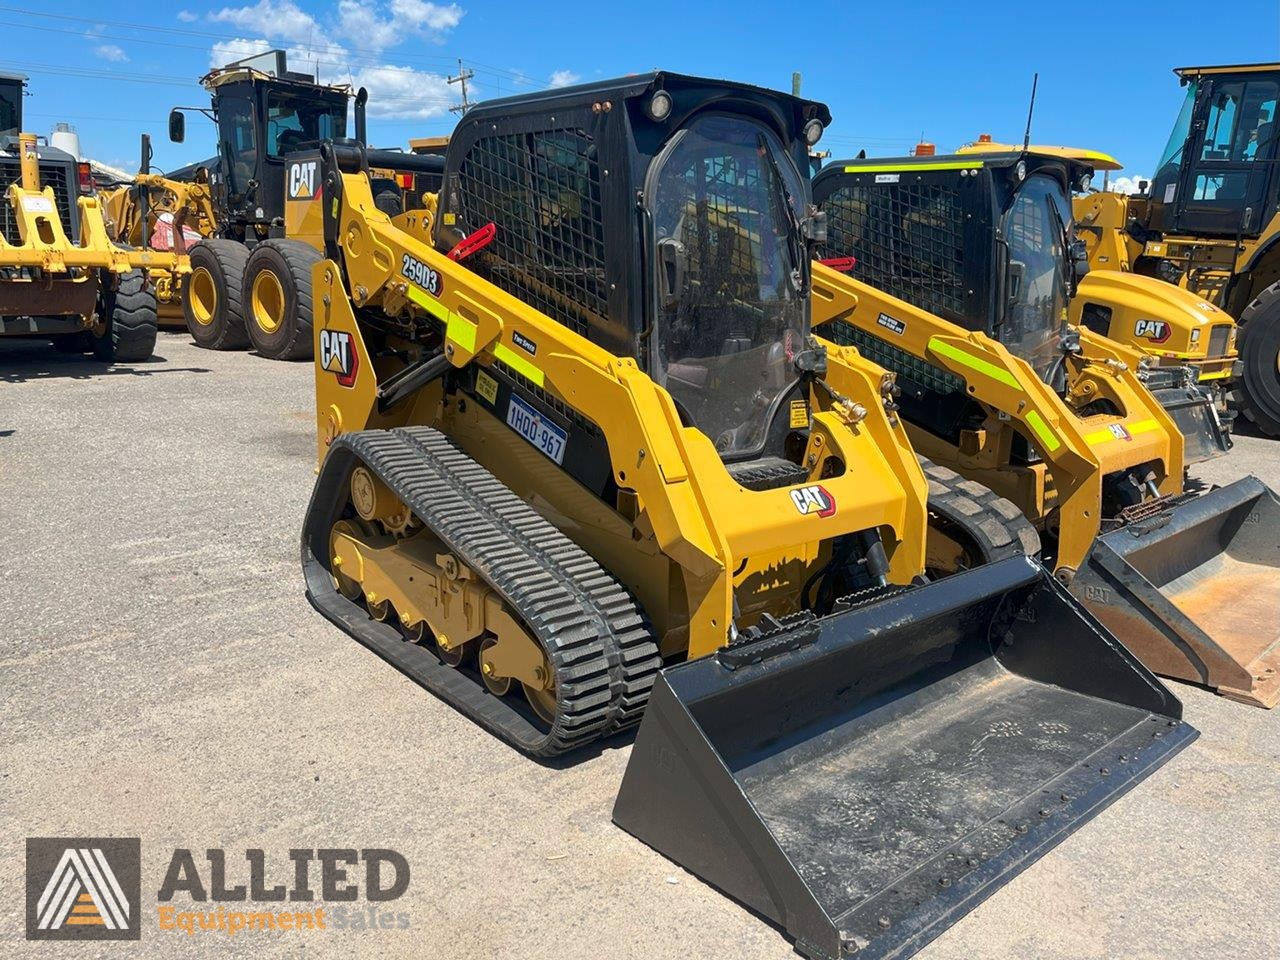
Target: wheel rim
(202, 293)
(268, 301)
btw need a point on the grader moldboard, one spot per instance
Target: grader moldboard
(965, 275)
(582, 462)
(61, 277)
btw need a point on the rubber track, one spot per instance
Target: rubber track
(600, 644)
(995, 524)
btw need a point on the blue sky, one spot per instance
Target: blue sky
(889, 71)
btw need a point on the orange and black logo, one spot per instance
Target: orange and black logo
(84, 888)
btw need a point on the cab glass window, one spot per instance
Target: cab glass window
(294, 122)
(1240, 126)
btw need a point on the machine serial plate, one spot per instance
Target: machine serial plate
(537, 429)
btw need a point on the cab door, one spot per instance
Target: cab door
(1225, 187)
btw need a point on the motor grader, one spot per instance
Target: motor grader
(581, 461)
(61, 277)
(243, 289)
(964, 270)
(1209, 220)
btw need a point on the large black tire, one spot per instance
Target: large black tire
(129, 314)
(986, 525)
(277, 298)
(1259, 346)
(211, 295)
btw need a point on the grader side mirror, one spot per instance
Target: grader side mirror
(177, 126)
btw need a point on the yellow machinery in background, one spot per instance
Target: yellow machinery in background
(154, 212)
(965, 268)
(61, 277)
(582, 462)
(1209, 222)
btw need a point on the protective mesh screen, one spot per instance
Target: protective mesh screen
(50, 176)
(894, 358)
(542, 191)
(908, 239)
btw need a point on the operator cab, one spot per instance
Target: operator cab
(264, 113)
(1217, 175)
(983, 239)
(665, 218)
(11, 87)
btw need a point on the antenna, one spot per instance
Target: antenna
(1026, 139)
(463, 76)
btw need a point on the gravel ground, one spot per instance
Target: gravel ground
(164, 677)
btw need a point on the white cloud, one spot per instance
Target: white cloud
(405, 93)
(1125, 184)
(225, 51)
(186, 16)
(564, 78)
(427, 16)
(109, 51)
(366, 27)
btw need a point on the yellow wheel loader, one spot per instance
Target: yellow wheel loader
(1209, 222)
(582, 462)
(61, 277)
(964, 270)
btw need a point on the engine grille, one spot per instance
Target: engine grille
(542, 191)
(56, 176)
(1219, 337)
(908, 238)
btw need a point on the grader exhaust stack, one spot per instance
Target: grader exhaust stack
(865, 780)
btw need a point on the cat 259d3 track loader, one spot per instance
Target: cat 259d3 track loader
(964, 274)
(61, 277)
(573, 428)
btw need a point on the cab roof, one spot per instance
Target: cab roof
(1090, 158)
(1187, 73)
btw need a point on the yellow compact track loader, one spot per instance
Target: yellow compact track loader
(61, 277)
(581, 461)
(1209, 221)
(964, 272)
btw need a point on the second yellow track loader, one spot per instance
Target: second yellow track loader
(582, 462)
(963, 281)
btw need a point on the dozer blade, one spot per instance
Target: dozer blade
(866, 779)
(1194, 591)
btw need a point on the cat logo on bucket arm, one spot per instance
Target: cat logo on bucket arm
(814, 500)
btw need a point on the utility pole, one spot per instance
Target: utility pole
(463, 76)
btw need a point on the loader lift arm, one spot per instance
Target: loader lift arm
(1078, 452)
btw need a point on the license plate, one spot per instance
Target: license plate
(537, 429)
